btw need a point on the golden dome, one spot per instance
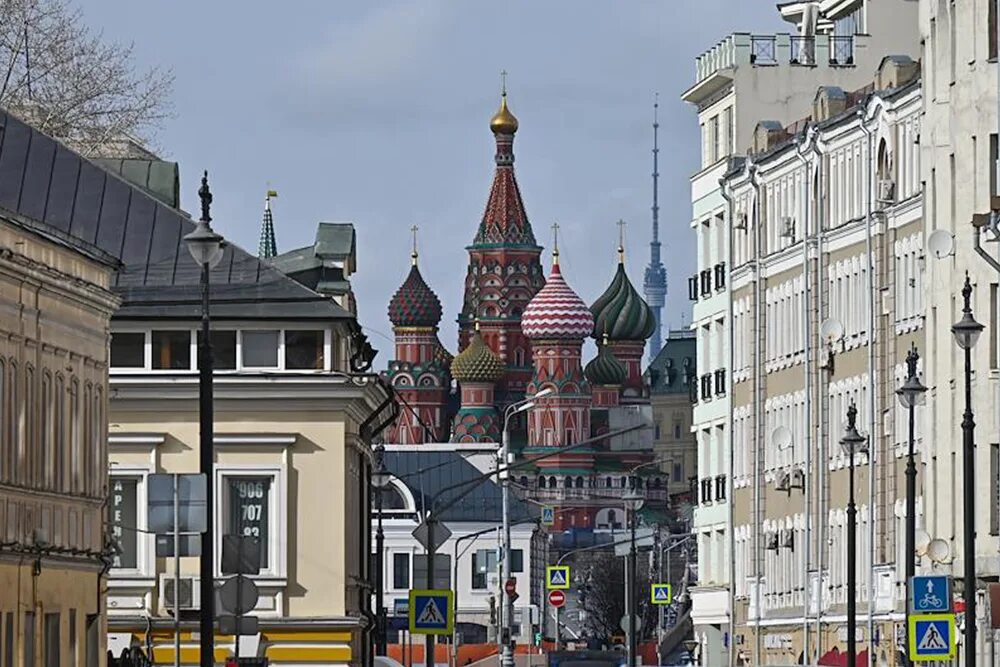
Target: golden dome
(503, 121)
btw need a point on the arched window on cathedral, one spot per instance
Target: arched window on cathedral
(579, 482)
(518, 353)
(541, 482)
(568, 483)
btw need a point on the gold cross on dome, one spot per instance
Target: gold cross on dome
(555, 242)
(503, 82)
(413, 254)
(621, 240)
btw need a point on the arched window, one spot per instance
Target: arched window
(568, 483)
(541, 482)
(579, 482)
(552, 483)
(607, 482)
(60, 432)
(76, 435)
(86, 450)
(25, 455)
(524, 481)
(392, 498)
(624, 482)
(48, 432)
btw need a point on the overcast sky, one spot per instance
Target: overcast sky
(378, 112)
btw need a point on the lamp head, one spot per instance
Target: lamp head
(853, 442)
(380, 476)
(967, 329)
(912, 392)
(204, 244)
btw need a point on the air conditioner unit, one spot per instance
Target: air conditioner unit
(788, 228)
(886, 190)
(741, 220)
(189, 589)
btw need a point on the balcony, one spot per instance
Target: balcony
(706, 386)
(720, 382)
(706, 282)
(720, 276)
(706, 490)
(720, 487)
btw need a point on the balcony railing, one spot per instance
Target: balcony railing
(742, 48)
(597, 493)
(803, 50)
(842, 50)
(763, 50)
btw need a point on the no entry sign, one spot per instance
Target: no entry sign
(557, 598)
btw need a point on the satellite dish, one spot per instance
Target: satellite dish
(938, 550)
(831, 330)
(941, 243)
(921, 542)
(781, 437)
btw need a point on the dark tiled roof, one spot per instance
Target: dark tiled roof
(43, 180)
(427, 473)
(157, 177)
(667, 373)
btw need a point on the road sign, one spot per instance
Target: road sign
(661, 594)
(192, 510)
(240, 554)
(557, 577)
(431, 612)
(238, 595)
(930, 595)
(557, 598)
(190, 545)
(422, 534)
(932, 637)
(239, 625)
(548, 515)
(625, 623)
(510, 586)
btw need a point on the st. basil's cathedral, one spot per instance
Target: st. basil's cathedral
(521, 333)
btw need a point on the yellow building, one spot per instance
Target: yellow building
(56, 305)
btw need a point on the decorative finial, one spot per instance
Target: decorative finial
(503, 83)
(477, 324)
(271, 194)
(621, 241)
(413, 254)
(605, 336)
(852, 416)
(555, 242)
(911, 361)
(206, 199)
(967, 294)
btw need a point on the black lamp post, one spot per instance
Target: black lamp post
(966, 332)
(853, 443)
(206, 248)
(911, 395)
(633, 502)
(380, 480)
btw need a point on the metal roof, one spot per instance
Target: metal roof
(426, 474)
(45, 181)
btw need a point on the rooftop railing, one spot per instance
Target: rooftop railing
(742, 48)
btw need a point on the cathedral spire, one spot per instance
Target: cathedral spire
(268, 247)
(654, 285)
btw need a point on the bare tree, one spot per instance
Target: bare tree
(69, 83)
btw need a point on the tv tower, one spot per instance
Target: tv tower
(654, 284)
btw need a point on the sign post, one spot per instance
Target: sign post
(661, 594)
(548, 515)
(930, 595)
(932, 637)
(432, 612)
(557, 598)
(557, 577)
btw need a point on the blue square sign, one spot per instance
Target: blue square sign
(431, 612)
(930, 595)
(932, 637)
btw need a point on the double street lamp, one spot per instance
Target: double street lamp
(966, 332)
(206, 247)
(853, 444)
(633, 500)
(380, 480)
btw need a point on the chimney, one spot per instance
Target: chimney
(896, 71)
(829, 102)
(767, 135)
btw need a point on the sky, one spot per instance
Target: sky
(378, 113)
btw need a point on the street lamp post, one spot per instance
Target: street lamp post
(206, 248)
(380, 480)
(910, 395)
(507, 648)
(966, 332)
(853, 443)
(633, 503)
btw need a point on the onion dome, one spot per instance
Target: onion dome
(556, 311)
(477, 363)
(605, 369)
(414, 304)
(503, 121)
(620, 312)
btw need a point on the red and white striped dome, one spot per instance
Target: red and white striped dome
(557, 311)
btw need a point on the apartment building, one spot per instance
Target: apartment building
(958, 144)
(826, 280)
(672, 380)
(744, 79)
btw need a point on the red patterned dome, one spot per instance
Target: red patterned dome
(557, 311)
(415, 304)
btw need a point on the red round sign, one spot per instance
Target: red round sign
(510, 586)
(557, 598)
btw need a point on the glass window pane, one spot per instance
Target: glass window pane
(223, 349)
(172, 350)
(249, 500)
(401, 571)
(442, 571)
(260, 349)
(128, 350)
(304, 350)
(516, 560)
(52, 640)
(124, 522)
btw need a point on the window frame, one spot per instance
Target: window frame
(145, 544)
(408, 555)
(192, 351)
(277, 513)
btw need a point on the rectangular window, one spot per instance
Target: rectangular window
(72, 637)
(995, 337)
(28, 637)
(304, 350)
(223, 349)
(260, 349)
(172, 350)
(123, 522)
(995, 489)
(442, 571)
(8, 639)
(93, 640)
(993, 165)
(991, 26)
(249, 503)
(678, 472)
(401, 571)
(484, 562)
(516, 560)
(52, 640)
(128, 350)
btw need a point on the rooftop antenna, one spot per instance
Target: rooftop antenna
(654, 284)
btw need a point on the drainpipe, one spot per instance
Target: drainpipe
(729, 423)
(807, 350)
(872, 442)
(757, 362)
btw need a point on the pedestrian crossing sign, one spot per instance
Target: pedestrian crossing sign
(932, 637)
(557, 577)
(432, 612)
(661, 594)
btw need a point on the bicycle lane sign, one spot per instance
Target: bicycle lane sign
(930, 594)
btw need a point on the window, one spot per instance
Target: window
(995, 489)
(677, 430)
(484, 562)
(51, 637)
(8, 639)
(223, 349)
(28, 637)
(401, 571)
(124, 521)
(304, 350)
(991, 27)
(60, 427)
(260, 349)
(72, 636)
(128, 350)
(516, 560)
(172, 350)
(249, 504)
(442, 571)
(678, 472)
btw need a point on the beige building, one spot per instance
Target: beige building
(55, 293)
(827, 298)
(672, 380)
